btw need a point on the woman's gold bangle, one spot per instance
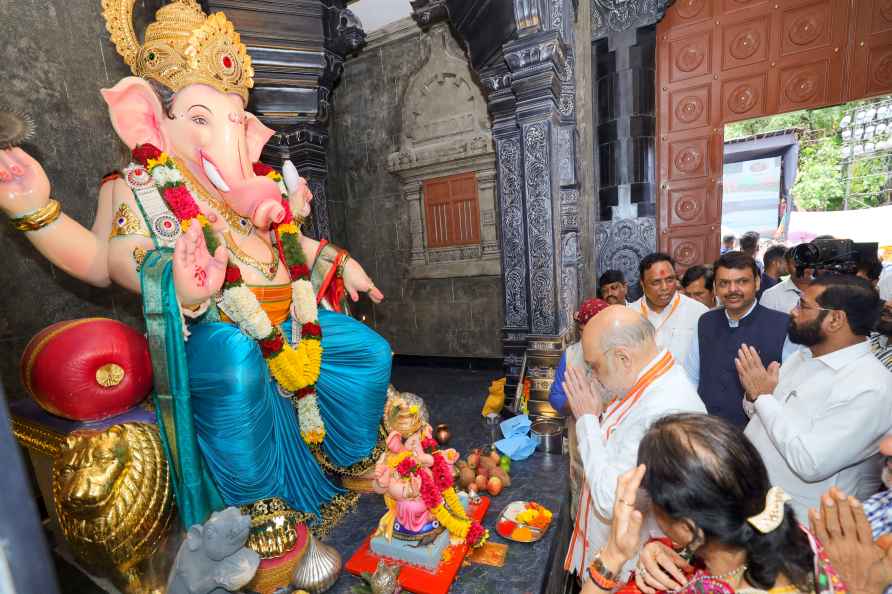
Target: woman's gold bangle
(38, 219)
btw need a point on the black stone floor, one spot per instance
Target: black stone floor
(453, 396)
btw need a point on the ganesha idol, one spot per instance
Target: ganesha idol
(255, 381)
(416, 479)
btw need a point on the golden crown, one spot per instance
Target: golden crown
(183, 46)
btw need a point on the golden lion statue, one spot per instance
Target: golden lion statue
(112, 494)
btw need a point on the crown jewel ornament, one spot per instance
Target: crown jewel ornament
(183, 46)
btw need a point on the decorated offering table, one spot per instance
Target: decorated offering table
(454, 397)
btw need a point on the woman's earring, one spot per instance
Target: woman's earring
(689, 549)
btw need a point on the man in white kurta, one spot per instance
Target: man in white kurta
(673, 315)
(817, 421)
(619, 346)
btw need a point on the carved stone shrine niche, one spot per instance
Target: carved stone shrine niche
(446, 131)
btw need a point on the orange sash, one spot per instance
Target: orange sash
(675, 303)
(275, 301)
(618, 411)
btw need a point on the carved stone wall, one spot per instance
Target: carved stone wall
(408, 104)
(446, 131)
(523, 53)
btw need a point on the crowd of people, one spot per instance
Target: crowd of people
(727, 428)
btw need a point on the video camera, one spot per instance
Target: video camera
(840, 256)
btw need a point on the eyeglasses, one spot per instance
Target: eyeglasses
(802, 306)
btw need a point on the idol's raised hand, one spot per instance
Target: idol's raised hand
(24, 187)
(197, 275)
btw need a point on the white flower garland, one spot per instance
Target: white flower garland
(243, 308)
(303, 302)
(308, 414)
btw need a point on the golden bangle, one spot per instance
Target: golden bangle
(343, 264)
(39, 218)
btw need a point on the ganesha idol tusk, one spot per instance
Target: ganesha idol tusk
(292, 177)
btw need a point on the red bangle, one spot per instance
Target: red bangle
(600, 580)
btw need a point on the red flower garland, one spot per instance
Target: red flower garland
(406, 467)
(299, 271)
(181, 203)
(440, 470)
(233, 274)
(311, 329)
(143, 152)
(475, 533)
(429, 492)
(271, 346)
(261, 168)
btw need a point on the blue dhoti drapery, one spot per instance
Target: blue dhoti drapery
(228, 434)
(249, 434)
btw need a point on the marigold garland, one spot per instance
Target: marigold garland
(295, 368)
(437, 489)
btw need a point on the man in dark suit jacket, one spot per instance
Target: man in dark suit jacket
(721, 332)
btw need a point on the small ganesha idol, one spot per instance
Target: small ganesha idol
(416, 480)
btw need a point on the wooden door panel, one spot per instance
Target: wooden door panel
(803, 85)
(687, 157)
(690, 204)
(694, 245)
(805, 28)
(871, 52)
(690, 56)
(744, 42)
(743, 96)
(688, 12)
(721, 61)
(689, 107)
(729, 7)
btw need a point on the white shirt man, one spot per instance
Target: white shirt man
(782, 297)
(608, 441)
(817, 423)
(676, 324)
(885, 284)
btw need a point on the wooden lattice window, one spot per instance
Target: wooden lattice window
(452, 210)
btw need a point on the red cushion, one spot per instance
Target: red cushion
(88, 369)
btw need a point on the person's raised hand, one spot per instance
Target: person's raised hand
(625, 528)
(580, 395)
(660, 569)
(842, 527)
(754, 377)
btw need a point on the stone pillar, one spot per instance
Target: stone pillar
(506, 134)
(523, 52)
(298, 56)
(623, 64)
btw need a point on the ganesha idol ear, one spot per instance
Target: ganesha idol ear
(256, 135)
(135, 112)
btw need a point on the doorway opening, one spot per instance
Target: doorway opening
(796, 176)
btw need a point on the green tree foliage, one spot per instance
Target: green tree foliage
(821, 179)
